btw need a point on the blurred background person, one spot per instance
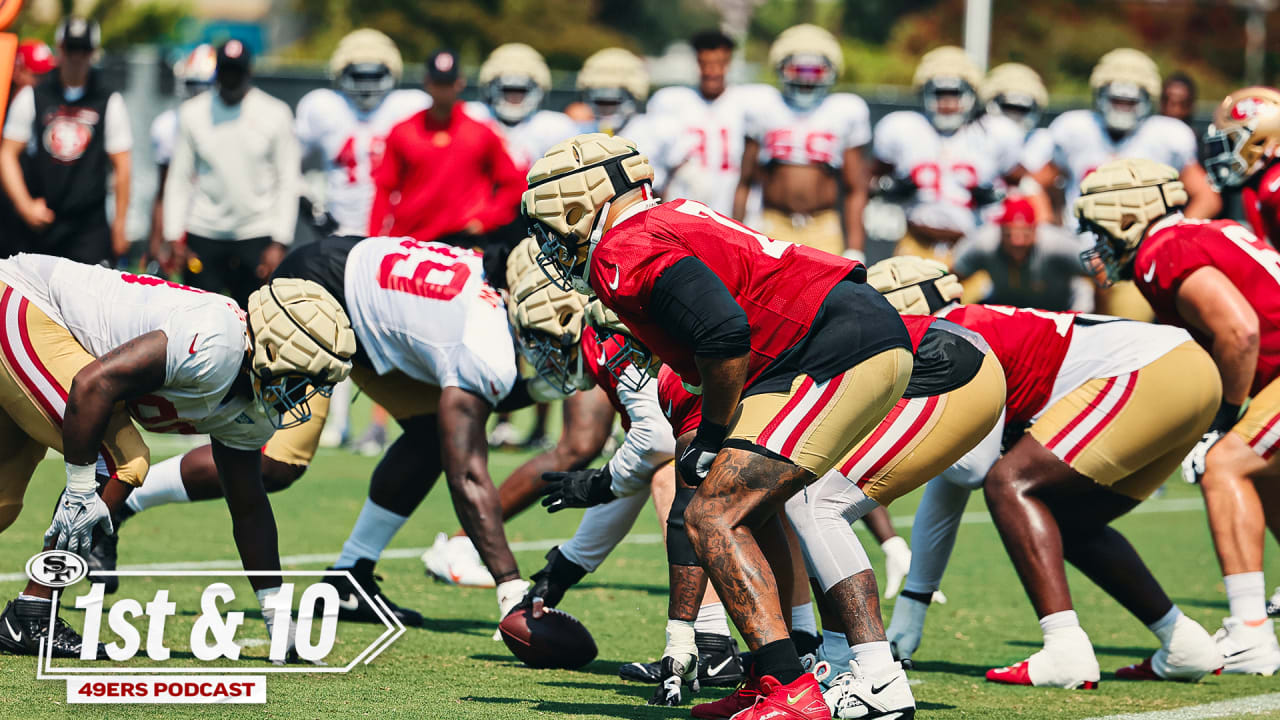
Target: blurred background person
(1178, 97)
(75, 132)
(513, 81)
(34, 60)
(1031, 263)
(233, 184)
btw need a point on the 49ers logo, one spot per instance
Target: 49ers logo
(68, 132)
(1249, 107)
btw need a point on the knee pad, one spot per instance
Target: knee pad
(679, 548)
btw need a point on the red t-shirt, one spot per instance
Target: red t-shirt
(435, 178)
(1175, 250)
(594, 354)
(1262, 204)
(779, 285)
(1030, 345)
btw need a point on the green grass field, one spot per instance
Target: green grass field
(453, 669)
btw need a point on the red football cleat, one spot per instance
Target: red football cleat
(737, 701)
(1020, 674)
(800, 700)
(1140, 671)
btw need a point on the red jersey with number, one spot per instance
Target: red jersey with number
(594, 356)
(1030, 345)
(1262, 204)
(1176, 247)
(779, 285)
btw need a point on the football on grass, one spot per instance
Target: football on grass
(555, 640)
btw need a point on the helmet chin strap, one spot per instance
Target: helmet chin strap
(597, 232)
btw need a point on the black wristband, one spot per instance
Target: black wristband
(1223, 421)
(925, 598)
(711, 434)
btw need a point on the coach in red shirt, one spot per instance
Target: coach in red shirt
(444, 176)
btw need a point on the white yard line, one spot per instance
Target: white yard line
(1252, 705)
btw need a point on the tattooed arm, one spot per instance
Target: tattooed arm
(135, 368)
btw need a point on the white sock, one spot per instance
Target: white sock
(680, 639)
(836, 651)
(1163, 628)
(711, 619)
(163, 486)
(372, 533)
(1247, 596)
(803, 619)
(873, 657)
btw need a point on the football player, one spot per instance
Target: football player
(803, 144)
(1239, 151)
(514, 79)
(1219, 281)
(1111, 406)
(1125, 83)
(946, 164)
(701, 292)
(613, 83)
(79, 341)
(433, 348)
(1017, 92)
(192, 75)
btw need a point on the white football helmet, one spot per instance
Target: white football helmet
(547, 322)
(944, 73)
(300, 344)
(570, 190)
(808, 59)
(613, 83)
(1015, 91)
(366, 66)
(194, 73)
(915, 285)
(1117, 203)
(1124, 82)
(514, 78)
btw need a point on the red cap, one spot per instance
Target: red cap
(1017, 208)
(36, 57)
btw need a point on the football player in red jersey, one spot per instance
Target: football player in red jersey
(1112, 406)
(776, 335)
(1220, 282)
(1239, 152)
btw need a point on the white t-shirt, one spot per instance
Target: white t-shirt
(815, 137)
(528, 140)
(946, 168)
(164, 135)
(206, 341)
(424, 308)
(20, 124)
(236, 170)
(352, 143)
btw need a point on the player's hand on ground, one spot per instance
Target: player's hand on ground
(577, 489)
(1193, 463)
(679, 681)
(77, 514)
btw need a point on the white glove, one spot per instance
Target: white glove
(906, 628)
(510, 593)
(79, 511)
(1193, 463)
(897, 563)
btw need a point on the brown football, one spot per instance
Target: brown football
(555, 640)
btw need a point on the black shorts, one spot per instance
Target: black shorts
(84, 237)
(226, 266)
(949, 357)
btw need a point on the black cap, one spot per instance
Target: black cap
(77, 33)
(234, 54)
(442, 67)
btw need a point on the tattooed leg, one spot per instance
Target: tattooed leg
(856, 600)
(687, 585)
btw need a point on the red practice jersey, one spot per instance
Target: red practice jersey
(1262, 204)
(594, 354)
(1030, 345)
(779, 285)
(1175, 249)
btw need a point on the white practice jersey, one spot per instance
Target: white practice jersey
(352, 143)
(815, 137)
(207, 340)
(424, 308)
(528, 140)
(946, 168)
(707, 157)
(164, 136)
(1081, 143)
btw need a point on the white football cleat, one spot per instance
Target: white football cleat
(906, 628)
(454, 560)
(856, 695)
(1070, 665)
(1191, 654)
(1248, 650)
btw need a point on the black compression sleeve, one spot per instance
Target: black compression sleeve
(691, 304)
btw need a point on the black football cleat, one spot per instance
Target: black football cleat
(719, 664)
(103, 557)
(352, 606)
(25, 622)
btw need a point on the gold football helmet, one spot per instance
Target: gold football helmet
(1017, 92)
(1124, 82)
(301, 343)
(1244, 135)
(915, 285)
(808, 59)
(366, 66)
(514, 78)
(613, 82)
(947, 71)
(547, 322)
(1117, 203)
(570, 190)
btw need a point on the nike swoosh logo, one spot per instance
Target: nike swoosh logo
(1275, 185)
(877, 690)
(604, 359)
(1230, 655)
(714, 671)
(192, 350)
(17, 636)
(617, 275)
(349, 602)
(669, 408)
(1150, 274)
(793, 699)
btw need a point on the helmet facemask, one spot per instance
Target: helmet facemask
(1223, 157)
(631, 353)
(934, 94)
(513, 97)
(366, 84)
(612, 106)
(806, 80)
(1122, 105)
(556, 360)
(1108, 261)
(1020, 108)
(286, 400)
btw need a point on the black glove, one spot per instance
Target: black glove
(551, 582)
(892, 188)
(983, 195)
(577, 489)
(695, 461)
